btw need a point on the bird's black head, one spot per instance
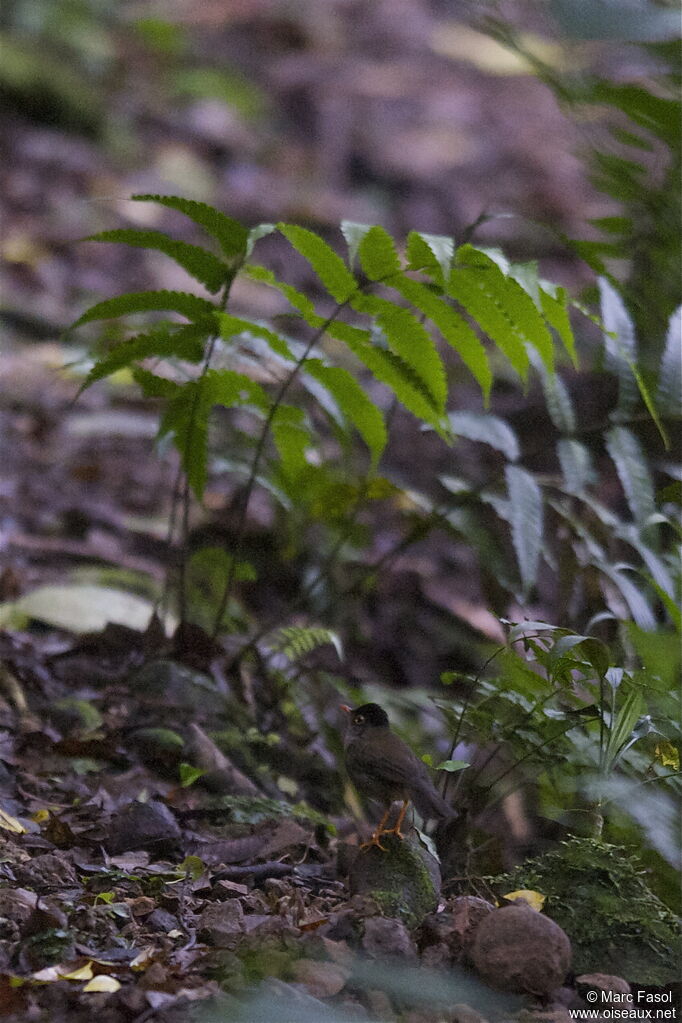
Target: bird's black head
(370, 715)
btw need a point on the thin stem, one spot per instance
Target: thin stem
(255, 465)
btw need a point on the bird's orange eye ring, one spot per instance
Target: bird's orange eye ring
(358, 719)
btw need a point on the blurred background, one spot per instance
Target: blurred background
(515, 124)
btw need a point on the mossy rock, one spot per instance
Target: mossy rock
(404, 879)
(597, 893)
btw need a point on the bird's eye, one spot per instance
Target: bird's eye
(359, 718)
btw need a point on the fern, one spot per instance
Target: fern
(295, 641)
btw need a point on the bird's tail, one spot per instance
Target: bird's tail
(430, 803)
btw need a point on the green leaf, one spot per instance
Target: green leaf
(554, 302)
(255, 234)
(378, 256)
(411, 342)
(200, 264)
(431, 252)
(669, 393)
(525, 516)
(454, 329)
(391, 370)
(358, 409)
(576, 465)
(450, 766)
(557, 398)
(634, 598)
(234, 325)
(482, 292)
(633, 472)
(296, 298)
(187, 415)
(230, 234)
(353, 233)
(292, 440)
(619, 345)
(487, 429)
(191, 306)
(154, 386)
(189, 774)
(182, 343)
(329, 267)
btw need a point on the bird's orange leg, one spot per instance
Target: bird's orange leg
(374, 840)
(395, 830)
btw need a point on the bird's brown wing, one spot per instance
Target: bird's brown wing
(389, 760)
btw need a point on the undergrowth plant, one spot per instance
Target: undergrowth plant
(597, 745)
(385, 313)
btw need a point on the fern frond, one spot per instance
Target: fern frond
(230, 234)
(191, 306)
(295, 641)
(200, 264)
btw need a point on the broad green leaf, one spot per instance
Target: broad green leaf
(234, 325)
(620, 346)
(411, 341)
(191, 306)
(329, 267)
(554, 302)
(669, 392)
(487, 429)
(200, 264)
(633, 472)
(354, 404)
(230, 234)
(454, 329)
(525, 517)
(78, 607)
(576, 465)
(632, 594)
(432, 252)
(378, 256)
(353, 233)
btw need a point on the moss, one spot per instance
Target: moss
(404, 880)
(256, 809)
(597, 893)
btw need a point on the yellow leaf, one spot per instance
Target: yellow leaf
(667, 755)
(534, 899)
(40, 816)
(82, 973)
(102, 983)
(10, 823)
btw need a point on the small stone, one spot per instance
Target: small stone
(161, 920)
(467, 912)
(436, 957)
(387, 938)
(150, 826)
(602, 982)
(221, 924)
(321, 980)
(518, 949)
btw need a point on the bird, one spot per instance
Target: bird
(384, 768)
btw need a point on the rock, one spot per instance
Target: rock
(454, 928)
(150, 826)
(46, 872)
(404, 880)
(221, 924)
(465, 1014)
(386, 938)
(518, 949)
(321, 979)
(602, 982)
